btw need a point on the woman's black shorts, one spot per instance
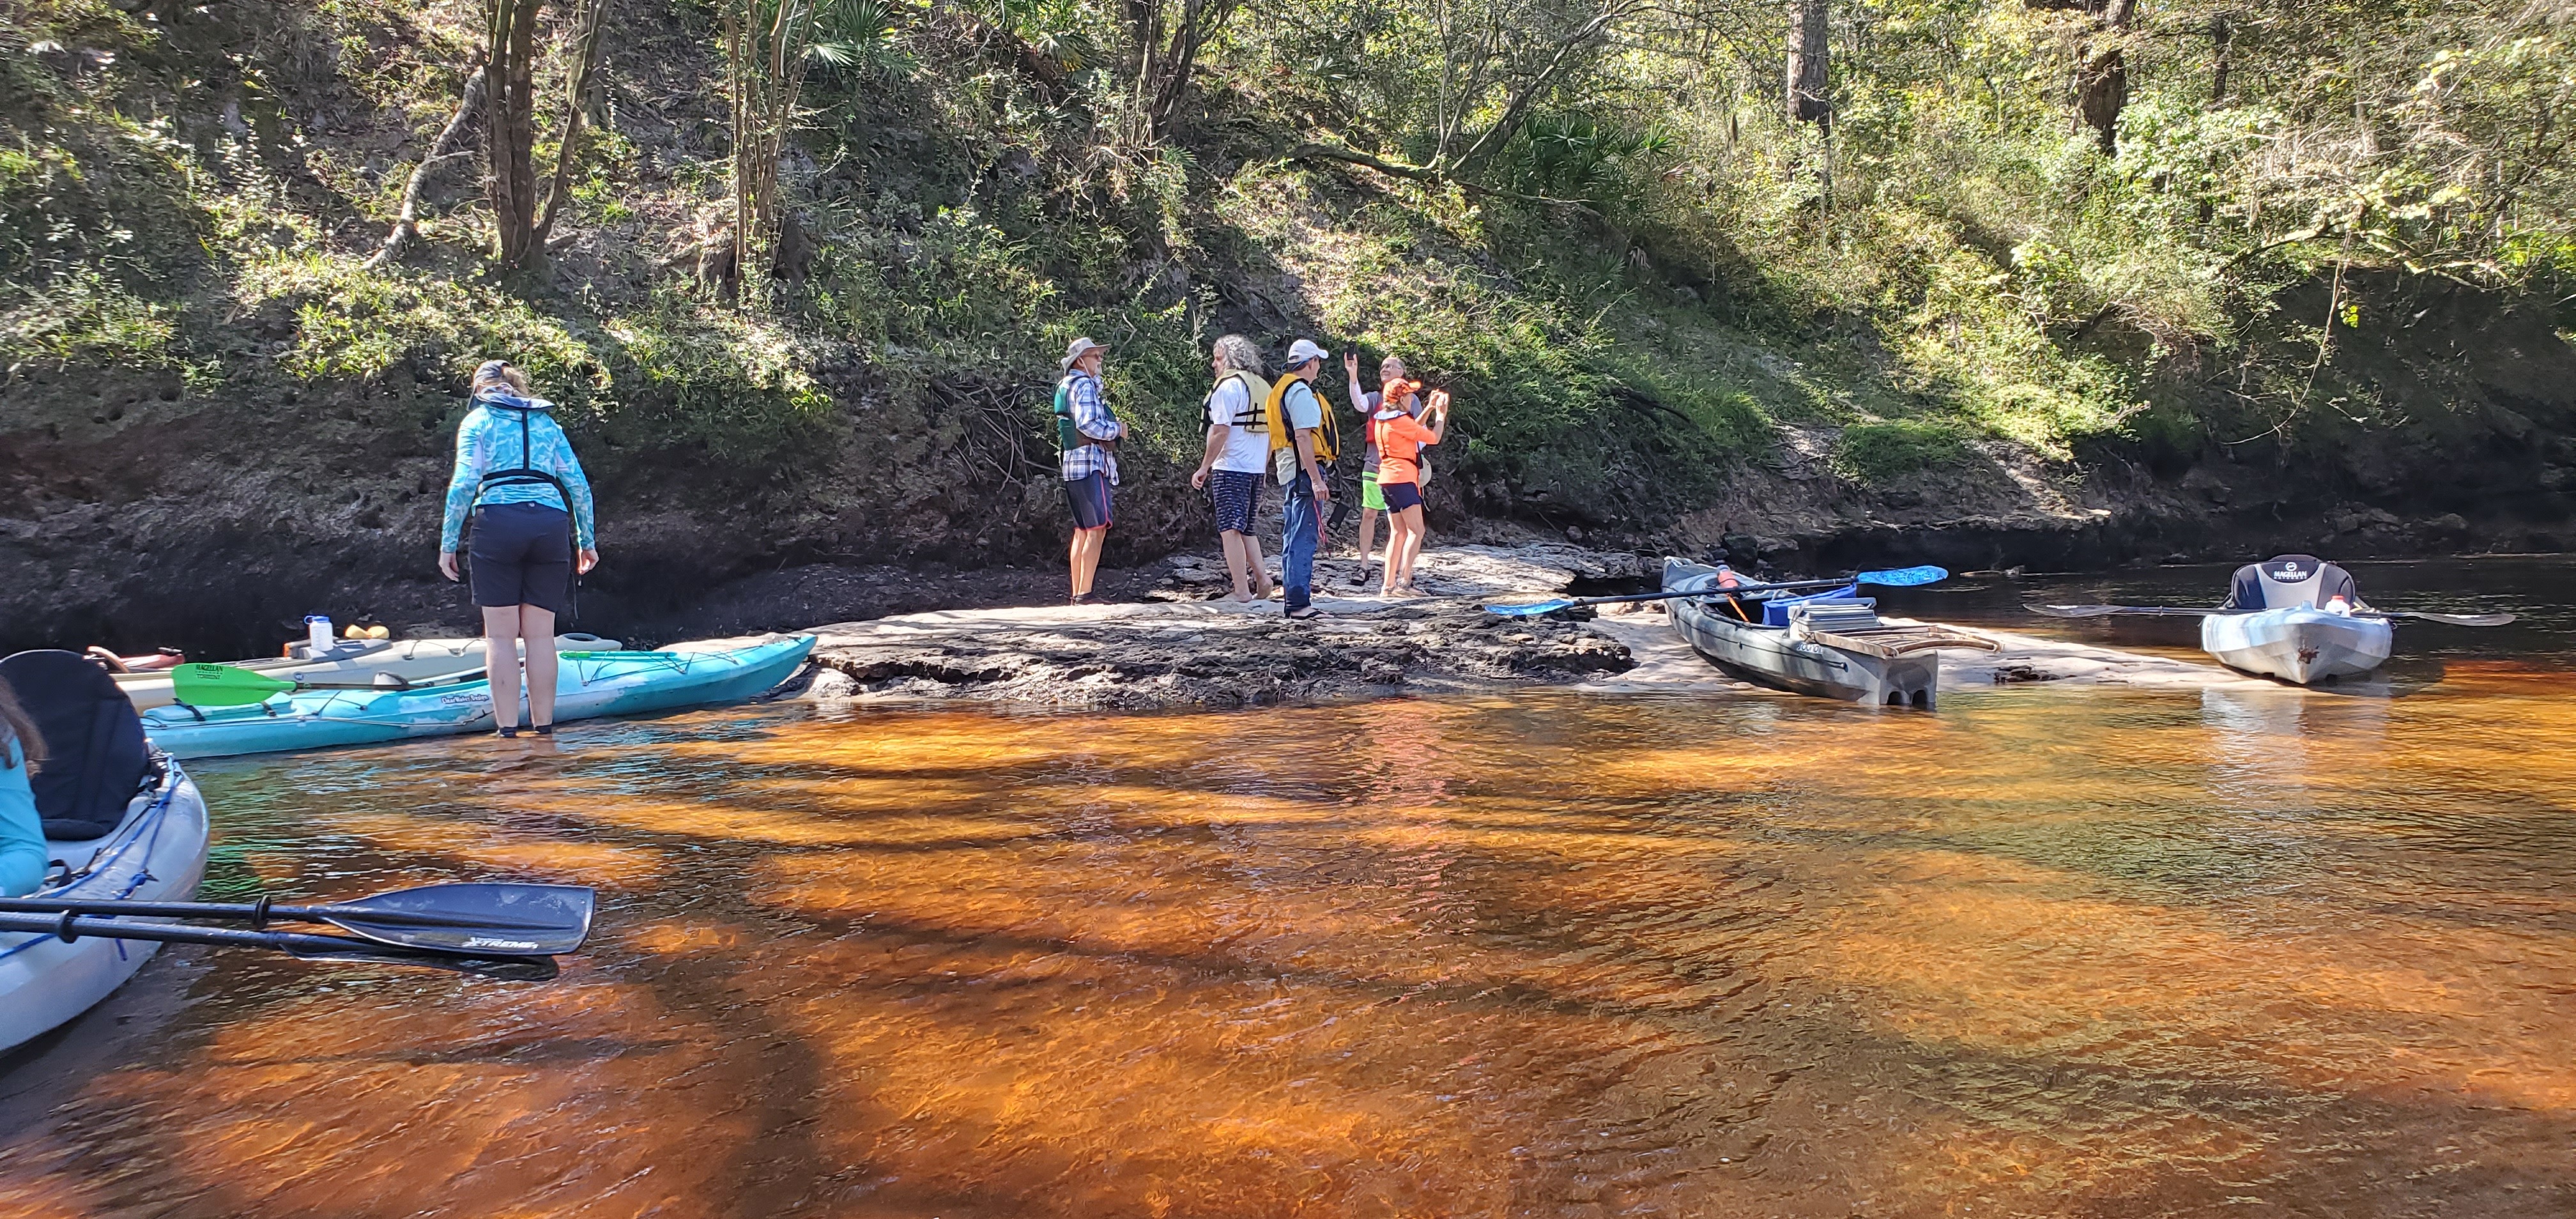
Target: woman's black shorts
(521, 555)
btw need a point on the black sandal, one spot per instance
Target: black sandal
(508, 734)
(542, 729)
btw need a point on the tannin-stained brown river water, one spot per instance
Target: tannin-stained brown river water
(2050, 951)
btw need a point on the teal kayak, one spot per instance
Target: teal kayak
(588, 685)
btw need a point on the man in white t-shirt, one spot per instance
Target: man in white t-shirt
(1237, 455)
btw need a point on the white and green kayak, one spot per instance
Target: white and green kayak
(589, 684)
(354, 661)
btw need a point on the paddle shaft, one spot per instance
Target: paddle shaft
(1668, 595)
(2444, 619)
(446, 679)
(2175, 611)
(249, 911)
(70, 927)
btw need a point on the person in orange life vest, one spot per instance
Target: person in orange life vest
(1372, 501)
(1399, 438)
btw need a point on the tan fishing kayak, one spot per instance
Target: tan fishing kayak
(357, 660)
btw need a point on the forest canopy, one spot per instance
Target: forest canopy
(1638, 233)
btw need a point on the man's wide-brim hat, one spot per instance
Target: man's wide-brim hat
(1078, 349)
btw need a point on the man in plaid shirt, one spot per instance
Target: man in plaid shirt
(1087, 432)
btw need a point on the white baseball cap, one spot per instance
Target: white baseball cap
(1303, 350)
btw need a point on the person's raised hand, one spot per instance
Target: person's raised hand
(1440, 400)
(447, 565)
(1351, 363)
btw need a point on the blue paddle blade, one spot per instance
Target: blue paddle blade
(1531, 610)
(1903, 577)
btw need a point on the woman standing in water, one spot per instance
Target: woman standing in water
(22, 830)
(517, 477)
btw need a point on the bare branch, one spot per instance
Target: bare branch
(441, 150)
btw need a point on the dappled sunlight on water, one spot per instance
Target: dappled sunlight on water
(2047, 952)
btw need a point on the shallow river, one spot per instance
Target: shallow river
(2051, 951)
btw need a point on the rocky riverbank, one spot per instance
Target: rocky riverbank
(1179, 647)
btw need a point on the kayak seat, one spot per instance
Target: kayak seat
(95, 755)
(2291, 581)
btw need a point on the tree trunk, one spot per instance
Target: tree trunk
(510, 34)
(738, 60)
(581, 63)
(2102, 85)
(1144, 56)
(1163, 41)
(1809, 64)
(766, 54)
(2221, 34)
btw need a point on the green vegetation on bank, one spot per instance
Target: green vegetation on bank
(2047, 223)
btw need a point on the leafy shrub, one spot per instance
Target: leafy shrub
(1878, 451)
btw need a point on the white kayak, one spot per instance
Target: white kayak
(157, 853)
(2301, 644)
(356, 661)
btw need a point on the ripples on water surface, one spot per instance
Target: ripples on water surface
(2051, 951)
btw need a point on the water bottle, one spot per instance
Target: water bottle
(317, 633)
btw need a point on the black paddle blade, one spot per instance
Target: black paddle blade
(473, 919)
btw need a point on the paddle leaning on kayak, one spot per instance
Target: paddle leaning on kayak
(519, 487)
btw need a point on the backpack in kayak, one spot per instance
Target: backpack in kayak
(95, 756)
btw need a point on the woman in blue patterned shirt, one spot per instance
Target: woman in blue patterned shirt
(517, 478)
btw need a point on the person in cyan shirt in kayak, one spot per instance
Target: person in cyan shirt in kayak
(22, 829)
(518, 481)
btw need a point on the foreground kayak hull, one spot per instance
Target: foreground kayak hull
(409, 659)
(1770, 655)
(2299, 645)
(587, 687)
(158, 853)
